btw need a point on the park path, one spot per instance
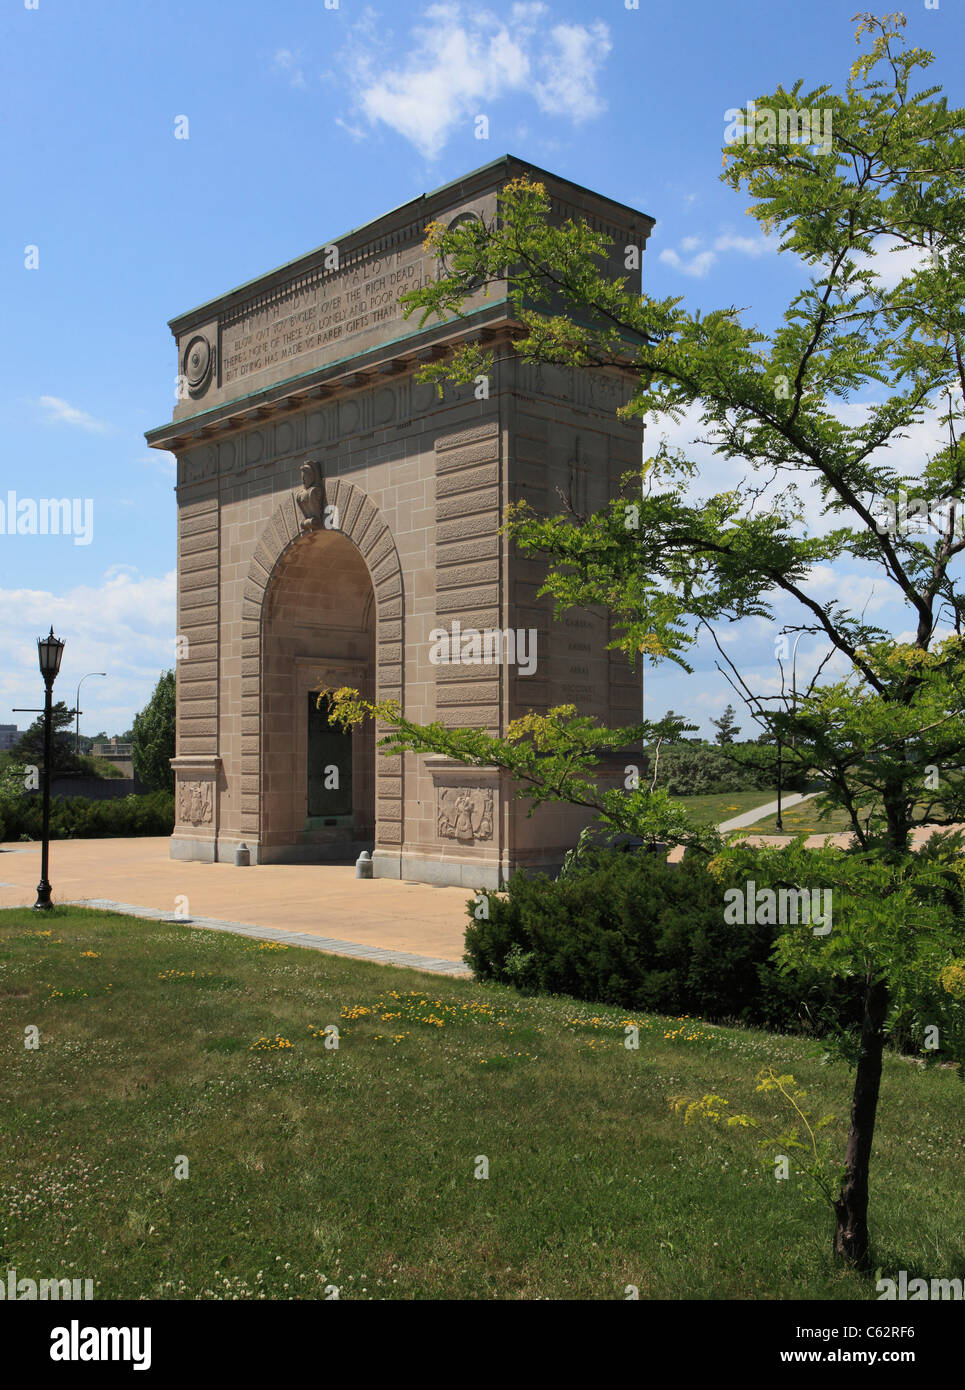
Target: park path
(762, 812)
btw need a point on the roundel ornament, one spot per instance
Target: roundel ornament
(196, 364)
(458, 221)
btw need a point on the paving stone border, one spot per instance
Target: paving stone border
(380, 955)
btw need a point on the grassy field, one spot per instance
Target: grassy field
(711, 810)
(311, 1167)
(806, 816)
(803, 816)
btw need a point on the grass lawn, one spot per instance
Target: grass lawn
(311, 1167)
(806, 816)
(722, 806)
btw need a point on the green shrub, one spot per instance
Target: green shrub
(97, 767)
(84, 818)
(696, 769)
(631, 930)
(693, 768)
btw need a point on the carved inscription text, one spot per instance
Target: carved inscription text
(340, 305)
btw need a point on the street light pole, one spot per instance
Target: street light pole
(643, 693)
(77, 710)
(779, 822)
(50, 650)
(794, 673)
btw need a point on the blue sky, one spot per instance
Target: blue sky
(305, 121)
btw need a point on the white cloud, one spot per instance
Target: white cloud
(62, 412)
(459, 60)
(747, 245)
(288, 64)
(125, 625)
(697, 266)
(861, 593)
(355, 131)
(700, 263)
(891, 261)
(571, 68)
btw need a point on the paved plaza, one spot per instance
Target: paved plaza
(320, 905)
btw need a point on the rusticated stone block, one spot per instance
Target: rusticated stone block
(466, 600)
(466, 693)
(468, 527)
(461, 575)
(463, 504)
(470, 480)
(464, 549)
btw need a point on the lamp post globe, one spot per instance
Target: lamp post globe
(50, 649)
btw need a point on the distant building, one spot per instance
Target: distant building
(113, 748)
(116, 752)
(9, 735)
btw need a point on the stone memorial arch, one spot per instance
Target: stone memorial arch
(339, 525)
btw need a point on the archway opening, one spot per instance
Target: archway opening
(318, 633)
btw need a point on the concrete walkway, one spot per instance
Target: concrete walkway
(320, 905)
(762, 812)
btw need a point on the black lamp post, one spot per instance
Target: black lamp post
(50, 650)
(779, 823)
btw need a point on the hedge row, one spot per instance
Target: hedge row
(634, 931)
(690, 768)
(80, 818)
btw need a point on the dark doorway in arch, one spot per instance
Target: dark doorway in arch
(318, 635)
(329, 766)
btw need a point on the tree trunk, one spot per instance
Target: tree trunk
(895, 800)
(851, 1207)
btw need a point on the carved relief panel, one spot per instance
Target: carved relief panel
(195, 803)
(464, 813)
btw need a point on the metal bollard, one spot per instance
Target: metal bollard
(363, 865)
(242, 856)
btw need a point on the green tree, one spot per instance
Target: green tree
(726, 726)
(153, 734)
(679, 727)
(30, 747)
(887, 738)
